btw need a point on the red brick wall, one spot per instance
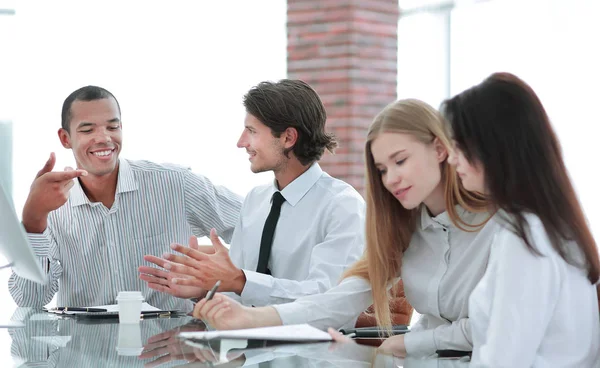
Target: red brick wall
(347, 50)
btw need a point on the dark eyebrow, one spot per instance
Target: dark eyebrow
(85, 124)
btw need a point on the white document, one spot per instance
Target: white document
(303, 332)
(109, 308)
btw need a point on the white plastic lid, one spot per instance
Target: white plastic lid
(130, 295)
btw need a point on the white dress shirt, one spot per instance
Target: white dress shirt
(440, 268)
(94, 252)
(533, 311)
(318, 235)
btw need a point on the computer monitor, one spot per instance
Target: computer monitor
(14, 244)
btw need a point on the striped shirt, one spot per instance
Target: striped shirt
(94, 252)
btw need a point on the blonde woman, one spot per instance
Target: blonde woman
(421, 226)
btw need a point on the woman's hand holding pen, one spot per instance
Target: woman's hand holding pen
(224, 313)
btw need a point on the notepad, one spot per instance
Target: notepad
(296, 333)
(112, 308)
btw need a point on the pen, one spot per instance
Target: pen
(114, 315)
(212, 291)
(160, 314)
(78, 309)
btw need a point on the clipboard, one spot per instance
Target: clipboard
(374, 332)
(112, 311)
(102, 317)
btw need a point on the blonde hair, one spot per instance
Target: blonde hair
(389, 226)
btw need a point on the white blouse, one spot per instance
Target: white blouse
(533, 311)
(439, 269)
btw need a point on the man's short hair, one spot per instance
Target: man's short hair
(292, 104)
(87, 93)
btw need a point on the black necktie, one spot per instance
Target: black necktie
(266, 241)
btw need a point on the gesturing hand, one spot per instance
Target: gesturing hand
(203, 270)
(49, 191)
(162, 280)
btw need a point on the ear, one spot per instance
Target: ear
(440, 150)
(65, 138)
(290, 137)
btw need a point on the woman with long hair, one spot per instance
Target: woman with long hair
(537, 305)
(421, 226)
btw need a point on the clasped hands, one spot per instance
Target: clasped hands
(195, 271)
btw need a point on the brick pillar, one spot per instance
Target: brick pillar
(347, 50)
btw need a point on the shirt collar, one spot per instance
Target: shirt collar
(440, 220)
(298, 188)
(126, 182)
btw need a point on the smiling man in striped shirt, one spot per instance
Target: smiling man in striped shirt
(91, 233)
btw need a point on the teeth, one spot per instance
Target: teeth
(102, 153)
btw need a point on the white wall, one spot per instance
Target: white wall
(553, 45)
(178, 68)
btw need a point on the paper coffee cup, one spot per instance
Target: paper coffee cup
(130, 306)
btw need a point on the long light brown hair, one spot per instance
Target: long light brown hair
(389, 226)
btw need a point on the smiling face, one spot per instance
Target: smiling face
(265, 151)
(409, 169)
(95, 135)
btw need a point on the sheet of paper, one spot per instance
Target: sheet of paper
(303, 332)
(109, 308)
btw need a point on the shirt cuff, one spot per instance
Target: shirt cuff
(291, 313)
(40, 243)
(420, 343)
(258, 288)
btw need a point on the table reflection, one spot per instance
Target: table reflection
(52, 341)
